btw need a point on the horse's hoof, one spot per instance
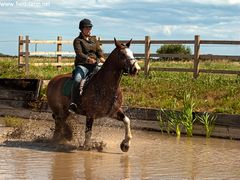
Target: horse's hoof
(124, 146)
(68, 136)
(87, 148)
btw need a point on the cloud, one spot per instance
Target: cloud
(85, 4)
(166, 30)
(215, 2)
(50, 14)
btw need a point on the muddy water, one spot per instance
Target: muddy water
(151, 156)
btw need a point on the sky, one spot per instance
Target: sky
(123, 19)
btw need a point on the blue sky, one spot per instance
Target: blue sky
(123, 19)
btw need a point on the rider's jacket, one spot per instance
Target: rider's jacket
(86, 48)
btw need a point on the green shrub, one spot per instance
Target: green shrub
(173, 49)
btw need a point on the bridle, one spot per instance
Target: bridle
(132, 64)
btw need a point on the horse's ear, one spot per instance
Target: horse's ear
(129, 43)
(117, 43)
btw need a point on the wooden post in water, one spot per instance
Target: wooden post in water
(27, 56)
(196, 56)
(20, 50)
(147, 54)
(59, 49)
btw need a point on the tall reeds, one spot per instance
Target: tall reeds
(208, 122)
(185, 119)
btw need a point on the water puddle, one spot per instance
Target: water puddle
(151, 156)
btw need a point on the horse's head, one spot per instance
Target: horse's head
(126, 59)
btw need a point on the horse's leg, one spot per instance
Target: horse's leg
(128, 136)
(58, 128)
(67, 131)
(88, 132)
(62, 129)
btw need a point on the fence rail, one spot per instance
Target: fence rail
(23, 56)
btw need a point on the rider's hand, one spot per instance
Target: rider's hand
(91, 60)
(102, 60)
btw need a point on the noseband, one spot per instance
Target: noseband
(132, 62)
(127, 70)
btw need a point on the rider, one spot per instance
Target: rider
(88, 55)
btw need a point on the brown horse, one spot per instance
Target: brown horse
(102, 96)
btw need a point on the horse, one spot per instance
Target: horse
(101, 97)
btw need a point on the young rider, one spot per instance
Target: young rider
(88, 55)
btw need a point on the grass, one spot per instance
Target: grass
(9, 68)
(13, 122)
(211, 92)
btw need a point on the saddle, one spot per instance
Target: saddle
(67, 86)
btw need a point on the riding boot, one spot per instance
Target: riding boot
(75, 95)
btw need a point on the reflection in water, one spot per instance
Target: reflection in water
(63, 165)
(20, 167)
(125, 165)
(88, 166)
(151, 156)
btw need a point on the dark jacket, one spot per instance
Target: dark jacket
(86, 48)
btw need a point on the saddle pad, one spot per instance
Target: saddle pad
(67, 86)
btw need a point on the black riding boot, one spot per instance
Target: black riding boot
(75, 95)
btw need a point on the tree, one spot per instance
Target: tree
(174, 49)
(3, 55)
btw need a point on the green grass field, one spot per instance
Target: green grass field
(211, 92)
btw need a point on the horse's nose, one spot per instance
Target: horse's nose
(136, 68)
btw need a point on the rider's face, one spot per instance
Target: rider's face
(87, 31)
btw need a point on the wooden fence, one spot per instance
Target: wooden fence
(23, 56)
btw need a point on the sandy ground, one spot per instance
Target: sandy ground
(30, 130)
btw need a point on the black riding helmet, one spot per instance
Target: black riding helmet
(85, 23)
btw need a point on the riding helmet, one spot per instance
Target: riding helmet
(85, 23)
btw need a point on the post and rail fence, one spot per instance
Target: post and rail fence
(23, 56)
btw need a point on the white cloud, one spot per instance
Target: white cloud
(166, 30)
(85, 4)
(216, 2)
(112, 20)
(50, 14)
(212, 31)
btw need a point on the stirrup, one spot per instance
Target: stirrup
(72, 108)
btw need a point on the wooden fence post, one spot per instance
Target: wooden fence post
(196, 56)
(59, 49)
(99, 41)
(27, 56)
(147, 54)
(20, 51)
